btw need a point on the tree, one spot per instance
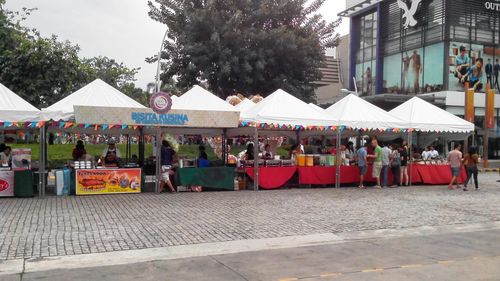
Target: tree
(254, 46)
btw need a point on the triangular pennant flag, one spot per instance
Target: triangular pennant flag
(61, 125)
(96, 127)
(124, 127)
(135, 127)
(7, 124)
(15, 124)
(68, 125)
(86, 126)
(104, 126)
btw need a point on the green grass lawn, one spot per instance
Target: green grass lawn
(60, 154)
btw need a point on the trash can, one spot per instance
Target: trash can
(23, 183)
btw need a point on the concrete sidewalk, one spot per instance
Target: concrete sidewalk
(460, 252)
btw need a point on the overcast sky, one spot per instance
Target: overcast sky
(120, 29)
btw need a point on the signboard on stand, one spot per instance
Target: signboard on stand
(108, 181)
(21, 158)
(6, 183)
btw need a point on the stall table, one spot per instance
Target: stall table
(426, 174)
(18, 183)
(210, 178)
(272, 177)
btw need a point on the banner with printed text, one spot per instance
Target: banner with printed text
(104, 181)
(6, 183)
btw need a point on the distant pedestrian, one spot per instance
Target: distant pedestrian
(496, 71)
(361, 155)
(455, 159)
(470, 161)
(377, 162)
(489, 73)
(396, 165)
(403, 175)
(386, 159)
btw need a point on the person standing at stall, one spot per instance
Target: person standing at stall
(5, 156)
(111, 155)
(79, 152)
(403, 174)
(455, 159)
(249, 153)
(470, 161)
(386, 161)
(377, 161)
(168, 156)
(361, 155)
(396, 165)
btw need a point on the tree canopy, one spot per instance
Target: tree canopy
(250, 46)
(45, 70)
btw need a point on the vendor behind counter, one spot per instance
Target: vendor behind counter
(111, 155)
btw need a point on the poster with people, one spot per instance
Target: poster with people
(365, 78)
(415, 71)
(21, 158)
(476, 64)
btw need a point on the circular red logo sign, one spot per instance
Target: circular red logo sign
(4, 185)
(161, 102)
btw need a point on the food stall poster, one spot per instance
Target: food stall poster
(102, 181)
(21, 158)
(6, 183)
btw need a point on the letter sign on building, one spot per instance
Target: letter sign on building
(409, 12)
(492, 5)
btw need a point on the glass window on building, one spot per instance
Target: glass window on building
(366, 54)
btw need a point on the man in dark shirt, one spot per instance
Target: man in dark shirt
(496, 71)
(489, 73)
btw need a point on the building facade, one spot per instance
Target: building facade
(412, 47)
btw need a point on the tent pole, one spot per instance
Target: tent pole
(158, 160)
(256, 160)
(224, 146)
(141, 146)
(41, 167)
(410, 158)
(337, 161)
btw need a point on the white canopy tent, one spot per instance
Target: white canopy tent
(97, 93)
(356, 113)
(244, 105)
(316, 107)
(198, 98)
(284, 109)
(426, 117)
(13, 108)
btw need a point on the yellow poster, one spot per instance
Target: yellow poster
(108, 181)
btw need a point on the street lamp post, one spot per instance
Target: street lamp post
(158, 131)
(158, 82)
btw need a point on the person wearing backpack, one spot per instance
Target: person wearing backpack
(396, 165)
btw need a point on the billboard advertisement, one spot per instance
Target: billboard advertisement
(414, 71)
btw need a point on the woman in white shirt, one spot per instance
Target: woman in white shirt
(5, 156)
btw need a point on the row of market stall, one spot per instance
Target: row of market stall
(100, 108)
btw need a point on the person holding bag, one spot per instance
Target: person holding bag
(396, 165)
(470, 161)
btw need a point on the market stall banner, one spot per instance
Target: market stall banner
(21, 158)
(146, 117)
(6, 183)
(104, 181)
(213, 178)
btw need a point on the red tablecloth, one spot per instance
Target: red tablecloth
(326, 175)
(437, 174)
(427, 174)
(272, 177)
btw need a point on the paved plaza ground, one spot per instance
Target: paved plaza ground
(59, 226)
